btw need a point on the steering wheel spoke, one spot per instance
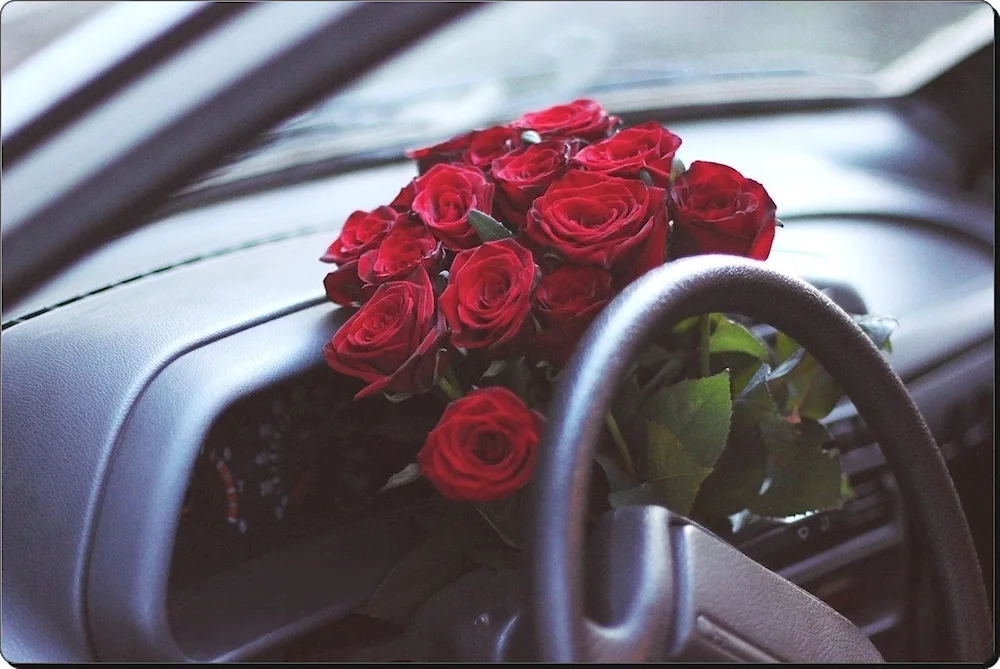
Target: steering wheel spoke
(630, 586)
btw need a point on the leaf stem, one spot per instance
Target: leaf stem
(451, 391)
(616, 436)
(705, 326)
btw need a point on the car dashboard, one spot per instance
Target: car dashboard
(184, 478)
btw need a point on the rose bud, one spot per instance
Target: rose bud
(362, 231)
(566, 301)
(391, 342)
(647, 146)
(523, 175)
(408, 246)
(484, 447)
(600, 220)
(583, 119)
(488, 297)
(445, 195)
(718, 210)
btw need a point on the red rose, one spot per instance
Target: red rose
(718, 210)
(445, 195)
(566, 301)
(584, 119)
(408, 246)
(484, 447)
(524, 174)
(477, 148)
(446, 152)
(488, 145)
(596, 219)
(362, 231)
(488, 297)
(391, 342)
(404, 199)
(344, 287)
(647, 145)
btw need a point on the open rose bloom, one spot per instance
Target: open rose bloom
(476, 282)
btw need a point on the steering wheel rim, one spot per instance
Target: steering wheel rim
(703, 284)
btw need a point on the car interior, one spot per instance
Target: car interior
(184, 479)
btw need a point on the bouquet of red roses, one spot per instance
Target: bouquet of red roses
(477, 281)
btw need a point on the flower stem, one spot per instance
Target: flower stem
(706, 332)
(616, 436)
(451, 391)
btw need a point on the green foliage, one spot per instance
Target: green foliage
(696, 413)
(736, 479)
(677, 168)
(730, 337)
(810, 392)
(530, 137)
(808, 480)
(878, 329)
(673, 475)
(686, 429)
(488, 228)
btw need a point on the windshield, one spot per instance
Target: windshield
(510, 57)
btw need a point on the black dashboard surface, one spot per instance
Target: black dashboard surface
(109, 398)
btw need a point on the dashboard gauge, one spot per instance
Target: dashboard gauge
(213, 497)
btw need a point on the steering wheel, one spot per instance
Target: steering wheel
(665, 589)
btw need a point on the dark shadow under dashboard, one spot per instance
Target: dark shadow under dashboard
(182, 475)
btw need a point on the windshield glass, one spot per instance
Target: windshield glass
(510, 57)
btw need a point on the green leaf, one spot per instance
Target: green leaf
(653, 356)
(530, 137)
(734, 482)
(744, 379)
(645, 177)
(787, 365)
(438, 561)
(756, 413)
(810, 481)
(407, 474)
(878, 329)
(686, 324)
(696, 414)
(617, 478)
(669, 373)
(506, 517)
(730, 337)
(675, 490)
(517, 377)
(488, 228)
(784, 346)
(677, 168)
(625, 405)
(497, 559)
(810, 391)
(496, 367)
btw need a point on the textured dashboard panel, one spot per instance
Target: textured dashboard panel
(70, 378)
